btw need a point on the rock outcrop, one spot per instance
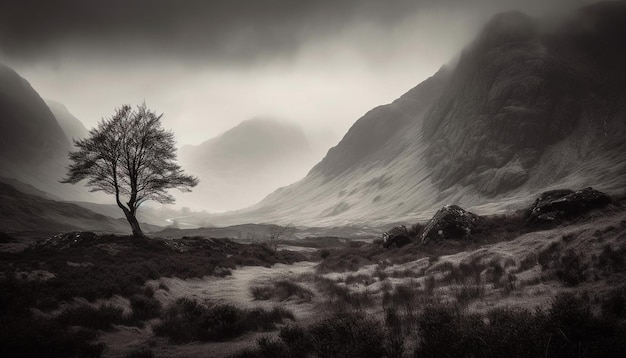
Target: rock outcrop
(556, 205)
(450, 223)
(398, 237)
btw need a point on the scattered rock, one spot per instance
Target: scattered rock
(67, 240)
(555, 205)
(398, 237)
(450, 222)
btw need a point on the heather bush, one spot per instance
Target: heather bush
(187, 321)
(144, 307)
(566, 329)
(100, 318)
(140, 353)
(280, 291)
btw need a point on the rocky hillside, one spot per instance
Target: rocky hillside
(522, 100)
(239, 167)
(529, 106)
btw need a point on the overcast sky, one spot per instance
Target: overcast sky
(208, 65)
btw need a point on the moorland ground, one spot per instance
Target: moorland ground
(513, 288)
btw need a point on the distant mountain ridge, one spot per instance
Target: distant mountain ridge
(527, 107)
(240, 166)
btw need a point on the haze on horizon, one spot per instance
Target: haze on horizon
(209, 65)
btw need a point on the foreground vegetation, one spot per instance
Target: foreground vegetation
(38, 287)
(511, 289)
(566, 329)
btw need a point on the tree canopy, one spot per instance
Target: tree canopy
(131, 156)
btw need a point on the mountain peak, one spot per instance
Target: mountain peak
(245, 163)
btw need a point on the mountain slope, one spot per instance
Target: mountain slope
(375, 171)
(72, 126)
(528, 107)
(239, 167)
(30, 136)
(33, 146)
(517, 93)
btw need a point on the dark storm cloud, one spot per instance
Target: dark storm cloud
(220, 29)
(240, 31)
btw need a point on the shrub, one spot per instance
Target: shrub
(25, 336)
(261, 293)
(403, 296)
(611, 260)
(341, 296)
(140, 353)
(415, 231)
(101, 318)
(281, 291)
(363, 279)
(430, 283)
(548, 256)
(144, 307)
(468, 293)
(571, 269)
(566, 329)
(347, 335)
(342, 335)
(187, 320)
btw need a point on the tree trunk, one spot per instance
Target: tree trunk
(134, 224)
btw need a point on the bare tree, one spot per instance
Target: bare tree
(132, 157)
(277, 233)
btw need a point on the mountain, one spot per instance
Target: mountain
(72, 126)
(34, 147)
(529, 106)
(532, 108)
(30, 137)
(241, 166)
(25, 212)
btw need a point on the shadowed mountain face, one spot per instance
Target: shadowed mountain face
(72, 127)
(529, 106)
(34, 147)
(517, 92)
(30, 136)
(245, 163)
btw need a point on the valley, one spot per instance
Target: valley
(482, 213)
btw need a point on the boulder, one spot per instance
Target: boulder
(398, 237)
(555, 205)
(450, 222)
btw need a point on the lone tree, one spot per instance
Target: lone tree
(132, 157)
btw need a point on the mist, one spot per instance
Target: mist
(208, 66)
